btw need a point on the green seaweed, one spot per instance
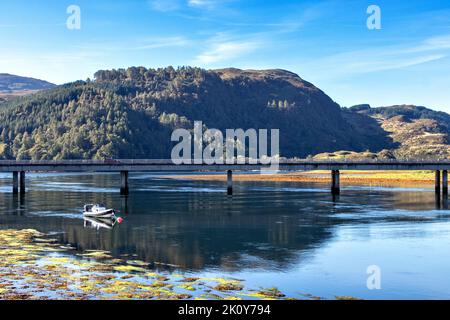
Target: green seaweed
(33, 266)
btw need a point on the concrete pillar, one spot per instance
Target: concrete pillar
(15, 182)
(230, 182)
(438, 201)
(437, 181)
(124, 183)
(335, 182)
(124, 205)
(445, 182)
(335, 198)
(22, 182)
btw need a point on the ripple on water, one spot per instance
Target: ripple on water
(293, 236)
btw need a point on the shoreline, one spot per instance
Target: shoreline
(34, 266)
(378, 178)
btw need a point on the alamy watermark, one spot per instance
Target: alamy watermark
(74, 20)
(374, 279)
(212, 146)
(374, 19)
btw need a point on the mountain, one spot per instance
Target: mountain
(12, 86)
(131, 113)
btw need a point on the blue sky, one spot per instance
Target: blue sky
(325, 42)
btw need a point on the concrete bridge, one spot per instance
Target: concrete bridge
(19, 169)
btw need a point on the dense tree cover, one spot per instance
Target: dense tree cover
(77, 121)
(131, 113)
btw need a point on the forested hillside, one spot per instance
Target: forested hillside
(131, 114)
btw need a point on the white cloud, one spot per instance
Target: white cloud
(199, 3)
(394, 63)
(222, 48)
(436, 43)
(204, 4)
(174, 5)
(381, 58)
(139, 44)
(182, 5)
(155, 43)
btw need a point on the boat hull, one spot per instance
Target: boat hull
(99, 223)
(101, 214)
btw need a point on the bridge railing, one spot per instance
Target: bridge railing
(282, 161)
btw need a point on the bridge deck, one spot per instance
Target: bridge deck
(126, 166)
(168, 165)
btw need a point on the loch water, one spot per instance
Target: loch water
(293, 236)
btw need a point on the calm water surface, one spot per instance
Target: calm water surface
(292, 236)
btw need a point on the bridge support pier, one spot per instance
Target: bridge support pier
(445, 183)
(335, 182)
(124, 190)
(230, 182)
(124, 205)
(437, 182)
(22, 182)
(15, 182)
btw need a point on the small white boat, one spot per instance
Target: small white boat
(98, 211)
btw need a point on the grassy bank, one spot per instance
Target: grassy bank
(34, 266)
(387, 178)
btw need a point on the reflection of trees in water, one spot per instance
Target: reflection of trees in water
(191, 243)
(185, 229)
(196, 230)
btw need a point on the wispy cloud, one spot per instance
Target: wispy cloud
(155, 43)
(394, 63)
(238, 44)
(221, 48)
(166, 5)
(208, 4)
(382, 58)
(434, 43)
(29, 25)
(202, 3)
(225, 51)
(175, 5)
(139, 44)
(228, 47)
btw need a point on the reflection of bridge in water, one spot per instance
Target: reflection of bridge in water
(188, 230)
(269, 228)
(18, 168)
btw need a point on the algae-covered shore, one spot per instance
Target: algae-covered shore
(34, 266)
(374, 178)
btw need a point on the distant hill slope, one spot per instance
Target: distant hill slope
(132, 113)
(13, 86)
(418, 131)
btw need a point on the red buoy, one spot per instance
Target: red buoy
(119, 220)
